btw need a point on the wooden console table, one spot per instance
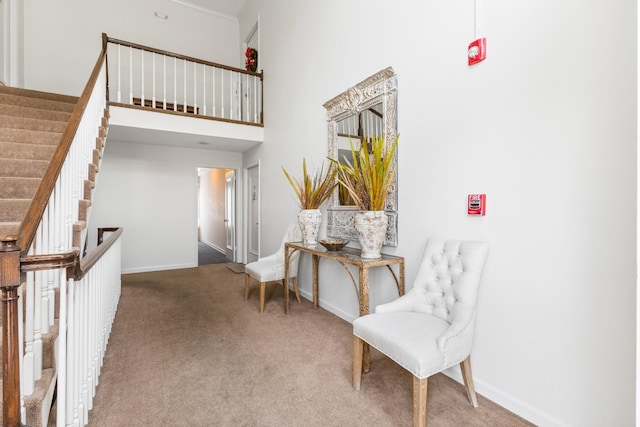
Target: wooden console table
(346, 256)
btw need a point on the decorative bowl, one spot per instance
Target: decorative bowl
(333, 244)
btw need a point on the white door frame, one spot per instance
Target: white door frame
(250, 255)
(230, 213)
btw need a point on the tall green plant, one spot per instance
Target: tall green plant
(313, 189)
(369, 174)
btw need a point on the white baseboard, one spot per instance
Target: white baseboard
(157, 268)
(329, 307)
(213, 246)
(511, 403)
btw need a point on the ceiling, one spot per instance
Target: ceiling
(228, 8)
(179, 139)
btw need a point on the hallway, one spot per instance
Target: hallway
(209, 255)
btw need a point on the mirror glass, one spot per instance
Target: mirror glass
(361, 113)
(352, 130)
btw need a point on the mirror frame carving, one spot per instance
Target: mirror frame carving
(381, 87)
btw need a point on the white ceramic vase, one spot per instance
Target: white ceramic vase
(309, 221)
(371, 227)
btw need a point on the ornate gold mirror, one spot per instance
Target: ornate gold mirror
(364, 111)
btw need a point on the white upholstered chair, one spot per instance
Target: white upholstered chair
(430, 328)
(271, 268)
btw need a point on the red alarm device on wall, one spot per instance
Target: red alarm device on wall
(477, 204)
(477, 51)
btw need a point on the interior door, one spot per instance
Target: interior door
(253, 238)
(230, 214)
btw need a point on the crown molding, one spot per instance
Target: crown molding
(204, 9)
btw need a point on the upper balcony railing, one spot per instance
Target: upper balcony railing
(151, 78)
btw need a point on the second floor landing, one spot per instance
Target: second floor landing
(146, 126)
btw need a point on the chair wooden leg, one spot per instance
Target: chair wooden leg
(419, 402)
(263, 288)
(465, 366)
(295, 289)
(247, 278)
(358, 348)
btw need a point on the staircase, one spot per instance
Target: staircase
(31, 126)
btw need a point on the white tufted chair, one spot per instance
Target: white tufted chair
(430, 328)
(271, 268)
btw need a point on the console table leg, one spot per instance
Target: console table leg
(315, 261)
(364, 291)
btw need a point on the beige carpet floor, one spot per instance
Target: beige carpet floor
(186, 349)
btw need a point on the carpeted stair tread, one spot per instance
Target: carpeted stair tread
(43, 394)
(34, 113)
(38, 94)
(12, 210)
(48, 346)
(18, 188)
(83, 209)
(27, 123)
(31, 127)
(9, 228)
(88, 189)
(26, 136)
(23, 168)
(14, 150)
(31, 102)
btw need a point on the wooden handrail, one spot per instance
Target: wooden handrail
(76, 267)
(39, 203)
(103, 230)
(94, 256)
(49, 261)
(179, 56)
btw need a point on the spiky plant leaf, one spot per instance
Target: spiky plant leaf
(369, 173)
(313, 189)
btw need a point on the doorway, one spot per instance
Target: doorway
(216, 216)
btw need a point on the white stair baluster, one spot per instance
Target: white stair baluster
(231, 94)
(131, 75)
(119, 65)
(213, 91)
(153, 80)
(204, 89)
(142, 77)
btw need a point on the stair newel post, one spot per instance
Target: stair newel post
(9, 283)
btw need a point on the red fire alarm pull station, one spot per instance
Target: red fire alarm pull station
(477, 204)
(477, 51)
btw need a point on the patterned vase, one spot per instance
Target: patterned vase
(309, 221)
(371, 227)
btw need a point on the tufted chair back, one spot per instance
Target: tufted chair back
(430, 328)
(446, 288)
(449, 274)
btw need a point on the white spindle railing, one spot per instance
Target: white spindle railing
(87, 305)
(90, 304)
(235, 94)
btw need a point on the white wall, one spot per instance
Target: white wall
(546, 127)
(64, 38)
(151, 191)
